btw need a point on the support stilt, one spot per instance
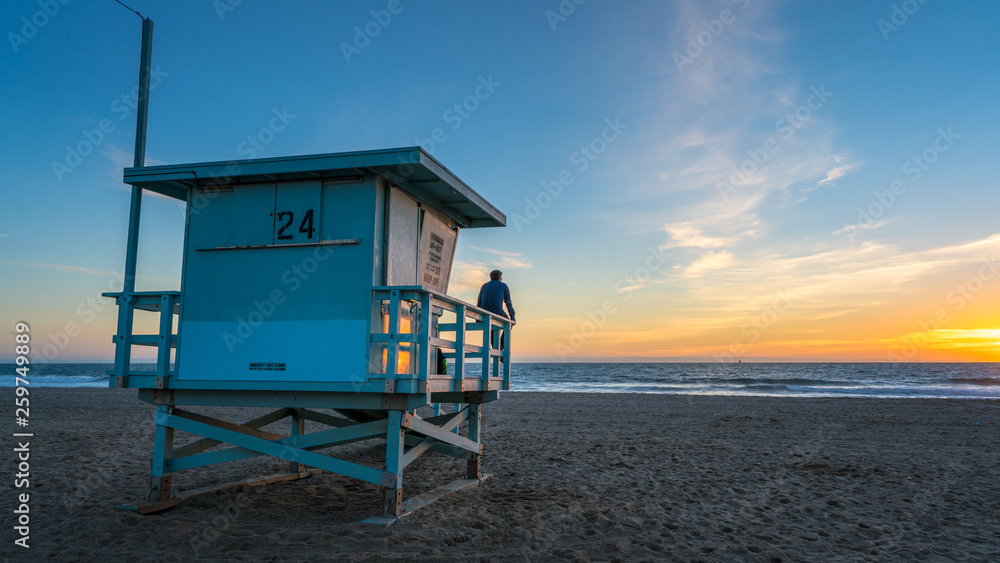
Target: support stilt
(298, 429)
(163, 444)
(393, 496)
(475, 428)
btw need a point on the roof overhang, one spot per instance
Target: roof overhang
(410, 168)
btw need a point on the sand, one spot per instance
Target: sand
(577, 476)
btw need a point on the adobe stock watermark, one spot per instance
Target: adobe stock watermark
(714, 28)
(563, 11)
(212, 529)
(625, 286)
(957, 297)
(913, 168)
(899, 16)
(292, 279)
(365, 34)
(456, 115)
(87, 310)
(754, 327)
(265, 136)
(30, 26)
(786, 127)
(250, 148)
(223, 7)
(582, 158)
(92, 138)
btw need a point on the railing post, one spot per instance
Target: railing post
(123, 343)
(424, 347)
(508, 329)
(494, 342)
(487, 324)
(459, 346)
(392, 346)
(166, 340)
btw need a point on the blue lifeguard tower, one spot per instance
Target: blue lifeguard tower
(315, 285)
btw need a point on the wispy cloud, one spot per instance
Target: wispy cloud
(80, 270)
(833, 174)
(724, 153)
(869, 226)
(466, 276)
(60, 267)
(495, 251)
(728, 224)
(686, 234)
(821, 278)
(119, 159)
(958, 338)
(708, 262)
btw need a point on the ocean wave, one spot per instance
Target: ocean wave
(755, 381)
(766, 387)
(987, 381)
(57, 381)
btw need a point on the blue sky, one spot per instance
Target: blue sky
(693, 264)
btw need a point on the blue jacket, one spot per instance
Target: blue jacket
(492, 297)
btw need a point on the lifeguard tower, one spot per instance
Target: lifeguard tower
(315, 285)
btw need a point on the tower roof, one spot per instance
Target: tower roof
(410, 168)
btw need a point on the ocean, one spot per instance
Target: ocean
(881, 380)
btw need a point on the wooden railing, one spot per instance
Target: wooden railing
(167, 303)
(409, 329)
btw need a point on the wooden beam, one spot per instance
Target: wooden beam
(459, 343)
(166, 336)
(227, 425)
(413, 453)
(446, 422)
(477, 397)
(163, 445)
(474, 469)
(393, 493)
(439, 448)
(423, 499)
(327, 419)
(313, 441)
(205, 443)
(427, 429)
(152, 508)
(249, 482)
(278, 450)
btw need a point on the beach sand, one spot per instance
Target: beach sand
(578, 476)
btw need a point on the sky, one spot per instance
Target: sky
(683, 181)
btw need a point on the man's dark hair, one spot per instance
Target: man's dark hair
(495, 275)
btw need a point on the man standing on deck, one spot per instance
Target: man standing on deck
(492, 297)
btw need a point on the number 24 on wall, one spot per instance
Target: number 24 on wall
(306, 226)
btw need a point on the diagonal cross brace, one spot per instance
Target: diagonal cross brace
(206, 443)
(277, 449)
(311, 441)
(421, 426)
(327, 419)
(450, 422)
